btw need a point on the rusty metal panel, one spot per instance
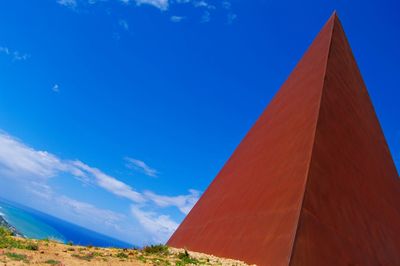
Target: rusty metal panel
(351, 210)
(251, 209)
(313, 182)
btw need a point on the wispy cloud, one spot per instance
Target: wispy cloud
(4, 50)
(160, 4)
(55, 88)
(140, 166)
(18, 56)
(76, 208)
(35, 168)
(226, 4)
(20, 161)
(40, 189)
(123, 24)
(80, 208)
(164, 5)
(206, 17)
(15, 55)
(203, 4)
(176, 18)
(68, 3)
(109, 183)
(160, 227)
(231, 17)
(183, 202)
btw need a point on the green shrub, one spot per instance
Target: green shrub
(31, 246)
(87, 257)
(142, 258)
(15, 256)
(4, 232)
(52, 262)
(156, 249)
(186, 259)
(8, 241)
(160, 262)
(121, 255)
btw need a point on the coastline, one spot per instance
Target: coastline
(14, 231)
(34, 224)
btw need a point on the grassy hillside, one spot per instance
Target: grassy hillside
(21, 251)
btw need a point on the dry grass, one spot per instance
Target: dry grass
(47, 252)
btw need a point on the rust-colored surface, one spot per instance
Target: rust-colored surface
(351, 209)
(313, 182)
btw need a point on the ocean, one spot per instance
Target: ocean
(35, 224)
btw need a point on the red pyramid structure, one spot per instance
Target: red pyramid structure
(313, 182)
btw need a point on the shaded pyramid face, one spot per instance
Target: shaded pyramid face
(313, 182)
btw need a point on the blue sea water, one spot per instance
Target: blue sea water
(35, 224)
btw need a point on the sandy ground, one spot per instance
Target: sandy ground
(53, 253)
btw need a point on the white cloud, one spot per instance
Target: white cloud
(203, 4)
(124, 24)
(77, 211)
(206, 17)
(231, 18)
(4, 50)
(200, 4)
(160, 227)
(183, 202)
(18, 56)
(19, 160)
(160, 4)
(110, 183)
(56, 88)
(68, 3)
(33, 169)
(87, 210)
(15, 55)
(140, 166)
(176, 18)
(226, 5)
(196, 3)
(40, 189)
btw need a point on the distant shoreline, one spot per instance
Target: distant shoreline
(34, 224)
(14, 231)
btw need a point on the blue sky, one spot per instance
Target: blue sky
(116, 115)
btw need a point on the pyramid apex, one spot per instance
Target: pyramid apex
(335, 18)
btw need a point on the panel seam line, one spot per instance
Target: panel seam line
(312, 148)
